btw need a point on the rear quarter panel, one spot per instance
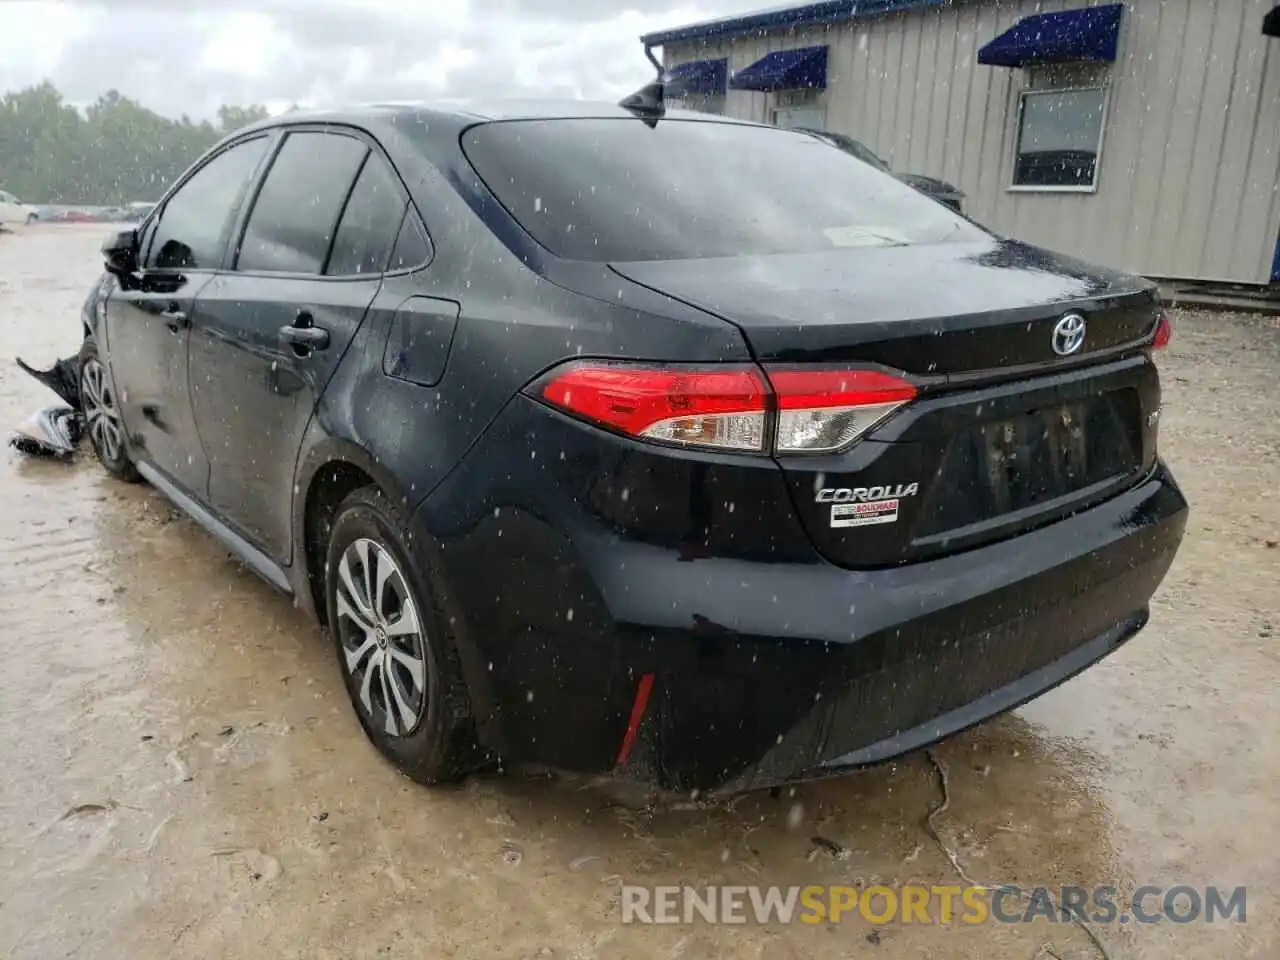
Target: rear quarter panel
(513, 323)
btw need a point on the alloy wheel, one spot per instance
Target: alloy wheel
(382, 638)
(100, 411)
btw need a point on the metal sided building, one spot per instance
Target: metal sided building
(1144, 135)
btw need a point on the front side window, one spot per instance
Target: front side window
(296, 212)
(145, 237)
(1059, 138)
(616, 189)
(191, 231)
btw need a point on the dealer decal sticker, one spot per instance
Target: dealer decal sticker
(864, 514)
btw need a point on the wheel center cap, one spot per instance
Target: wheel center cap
(380, 637)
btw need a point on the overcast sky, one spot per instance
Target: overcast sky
(191, 56)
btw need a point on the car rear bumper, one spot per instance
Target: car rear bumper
(928, 650)
(587, 648)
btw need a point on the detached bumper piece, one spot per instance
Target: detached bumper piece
(63, 378)
(54, 431)
(51, 432)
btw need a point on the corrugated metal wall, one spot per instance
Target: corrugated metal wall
(1189, 185)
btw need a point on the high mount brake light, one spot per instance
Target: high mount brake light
(1164, 332)
(729, 407)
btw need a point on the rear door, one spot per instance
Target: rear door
(269, 333)
(147, 324)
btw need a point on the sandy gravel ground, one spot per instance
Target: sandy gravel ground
(180, 773)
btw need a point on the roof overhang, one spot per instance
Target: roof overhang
(800, 69)
(785, 18)
(1068, 36)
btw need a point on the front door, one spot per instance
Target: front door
(268, 334)
(148, 321)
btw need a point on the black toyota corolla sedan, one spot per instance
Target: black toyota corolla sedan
(685, 449)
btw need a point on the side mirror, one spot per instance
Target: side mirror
(120, 253)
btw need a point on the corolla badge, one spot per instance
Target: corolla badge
(1068, 334)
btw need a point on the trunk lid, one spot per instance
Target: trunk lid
(1005, 435)
(944, 309)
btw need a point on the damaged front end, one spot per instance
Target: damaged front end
(53, 431)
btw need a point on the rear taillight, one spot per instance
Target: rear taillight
(721, 408)
(729, 407)
(1164, 332)
(824, 410)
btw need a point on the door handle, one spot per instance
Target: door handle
(174, 318)
(305, 339)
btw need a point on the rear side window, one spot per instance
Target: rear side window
(191, 231)
(369, 223)
(615, 189)
(296, 212)
(412, 249)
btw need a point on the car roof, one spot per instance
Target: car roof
(466, 112)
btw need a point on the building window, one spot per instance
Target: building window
(798, 108)
(808, 118)
(702, 102)
(1059, 139)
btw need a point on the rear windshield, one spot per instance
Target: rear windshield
(615, 189)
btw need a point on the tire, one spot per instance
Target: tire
(428, 734)
(102, 414)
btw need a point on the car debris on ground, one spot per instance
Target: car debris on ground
(53, 431)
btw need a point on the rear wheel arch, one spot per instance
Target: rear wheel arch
(328, 473)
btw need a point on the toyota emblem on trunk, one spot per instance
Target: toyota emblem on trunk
(1068, 335)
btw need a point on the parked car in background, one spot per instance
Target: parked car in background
(137, 210)
(72, 215)
(675, 448)
(13, 210)
(940, 190)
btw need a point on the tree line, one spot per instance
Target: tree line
(113, 152)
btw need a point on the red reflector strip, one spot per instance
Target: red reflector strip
(632, 399)
(637, 714)
(799, 389)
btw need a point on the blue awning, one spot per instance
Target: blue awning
(784, 70)
(697, 76)
(1070, 36)
(1271, 23)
